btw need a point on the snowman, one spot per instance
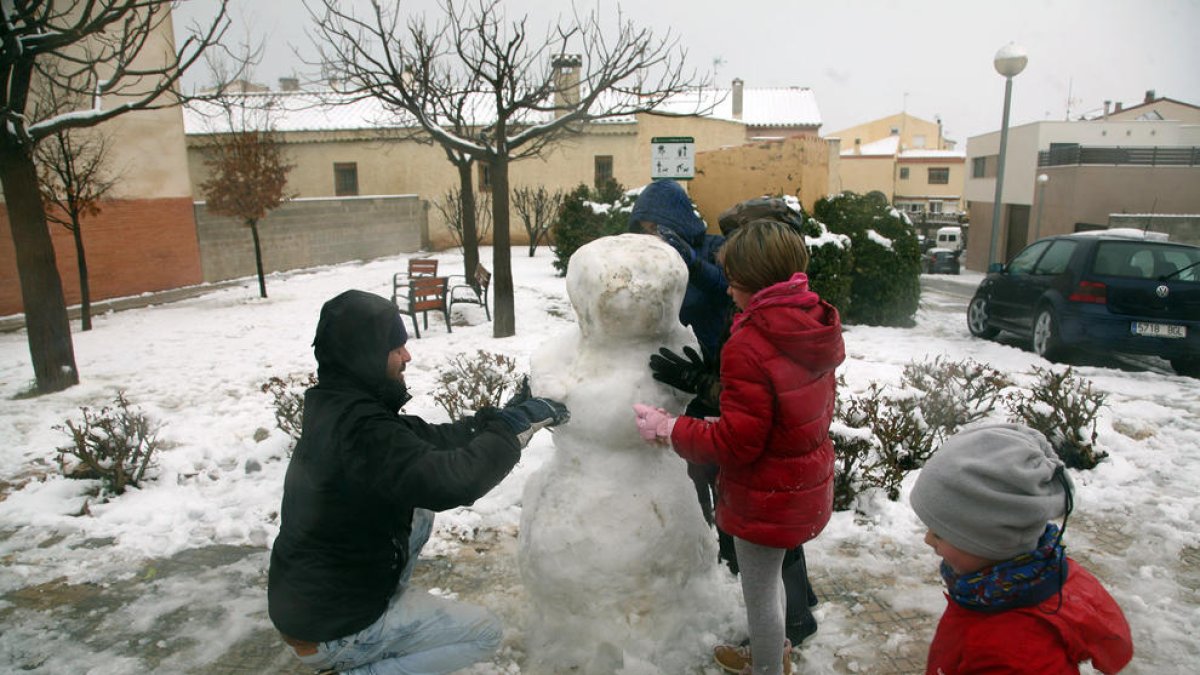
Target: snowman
(619, 565)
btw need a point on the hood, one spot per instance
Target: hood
(666, 204)
(352, 343)
(798, 323)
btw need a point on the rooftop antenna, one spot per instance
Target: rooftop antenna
(1153, 206)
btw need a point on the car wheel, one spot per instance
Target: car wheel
(1046, 340)
(977, 318)
(1187, 366)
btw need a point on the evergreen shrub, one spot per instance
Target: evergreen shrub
(587, 215)
(885, 289)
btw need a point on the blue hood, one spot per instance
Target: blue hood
(665, 203)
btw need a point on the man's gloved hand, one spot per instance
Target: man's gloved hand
(693, 375)
(685, 251)
(522, 393)
(654, 424)
(527, 417)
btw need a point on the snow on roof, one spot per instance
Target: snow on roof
(884, 147)
(328, 111)
(933, 154)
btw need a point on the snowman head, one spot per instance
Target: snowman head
(626, 288)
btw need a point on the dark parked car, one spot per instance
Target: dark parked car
(940, 261)
(1097, 291)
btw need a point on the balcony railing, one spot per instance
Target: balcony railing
(1146, 156)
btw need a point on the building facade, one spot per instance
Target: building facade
(1092, 170)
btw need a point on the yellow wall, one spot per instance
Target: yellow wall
(865, 174)
(914, 132)
(392, 166)
(795, 166)
(918, 188)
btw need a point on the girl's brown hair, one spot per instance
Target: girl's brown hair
(761, 253)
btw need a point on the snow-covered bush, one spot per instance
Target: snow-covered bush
(884, 433)
(114, 445)
(1064, 408)
(288, 397)
(587, 215)
(885, 285)
(466, 384)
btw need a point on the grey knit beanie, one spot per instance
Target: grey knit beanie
(991, 490)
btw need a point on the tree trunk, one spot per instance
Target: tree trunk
(46, 322)
(262, 282)
(504, 322)
(85, 294)
(470, 232)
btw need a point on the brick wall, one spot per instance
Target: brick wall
(132, 247)
(310, 232)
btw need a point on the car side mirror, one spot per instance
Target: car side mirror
(995, 268)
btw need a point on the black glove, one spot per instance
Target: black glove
(529, 416)
(685, 251)
(693, 375)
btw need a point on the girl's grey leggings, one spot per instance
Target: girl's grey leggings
(762, 588)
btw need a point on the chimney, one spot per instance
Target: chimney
(289, 84)
(566, 81)
(737, 98)
(1149, 96)
(1107, 104)
(1118, 106)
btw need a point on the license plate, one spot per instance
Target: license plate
(1163, 330)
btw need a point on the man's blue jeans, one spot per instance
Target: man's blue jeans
(418, 633)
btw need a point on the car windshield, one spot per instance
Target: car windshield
(1147, 260)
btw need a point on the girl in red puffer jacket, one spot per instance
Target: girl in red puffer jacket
(771, 442)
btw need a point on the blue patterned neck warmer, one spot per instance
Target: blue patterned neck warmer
(1023, 581)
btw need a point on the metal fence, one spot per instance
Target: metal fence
(1145, 156)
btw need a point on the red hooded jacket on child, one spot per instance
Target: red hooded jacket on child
(1046, 638)
(778, 389)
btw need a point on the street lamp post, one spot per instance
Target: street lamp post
(1042, 179)
(1009, 62)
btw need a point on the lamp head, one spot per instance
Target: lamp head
(1010, 60)
(1043, 178)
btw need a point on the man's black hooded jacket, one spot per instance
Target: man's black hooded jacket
(357, 473)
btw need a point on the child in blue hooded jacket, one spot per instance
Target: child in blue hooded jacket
(664, 209)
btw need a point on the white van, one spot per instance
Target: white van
(950, 238)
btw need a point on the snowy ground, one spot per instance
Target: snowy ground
(197, 366)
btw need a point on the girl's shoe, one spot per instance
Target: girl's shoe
(736, 658)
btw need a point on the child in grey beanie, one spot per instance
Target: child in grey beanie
(1016, 603)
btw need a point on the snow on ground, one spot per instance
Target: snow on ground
(197, 366)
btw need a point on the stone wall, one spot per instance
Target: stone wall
(310, 232)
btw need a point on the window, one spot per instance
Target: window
(935, 206)
(904, 173)
(345, 179)
(1056, 259)
(604, 170)
(1025, 260)
(485, 177)
(939, 176)
(984, 167)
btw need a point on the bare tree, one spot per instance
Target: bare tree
(538, 209)
(107, 57)
(74, 180)
(510, 94)
(248, 170)
(451, 208)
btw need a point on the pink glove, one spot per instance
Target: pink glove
(654, 424)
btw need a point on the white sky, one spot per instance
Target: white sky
(867, 59)
(197, 365)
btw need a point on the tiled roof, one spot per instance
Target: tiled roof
(326, 111)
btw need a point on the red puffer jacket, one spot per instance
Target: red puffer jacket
(775, 486)
(1088, 627)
